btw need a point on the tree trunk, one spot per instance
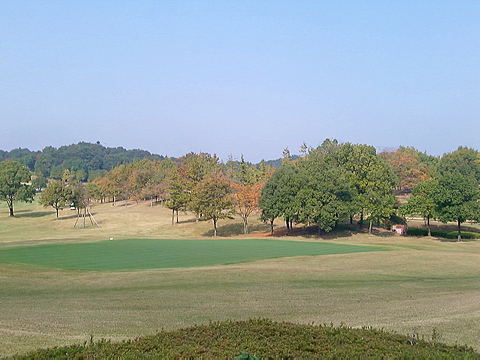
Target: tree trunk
(214, 227)
(245, 225)
(271, 226)
(57, 211)
(11, 210)
(428, 226)
(459, 233)
(370, 227)
(177, 216)
(361, 220)
(173, 216)
(351, 219)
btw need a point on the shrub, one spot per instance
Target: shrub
(413, 231)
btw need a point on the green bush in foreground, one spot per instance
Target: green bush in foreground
(443, 234)
(262, 338)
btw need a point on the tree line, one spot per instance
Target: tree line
(333, 183)
(85, 160)
(198, 183)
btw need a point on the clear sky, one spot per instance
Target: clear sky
(240, 77)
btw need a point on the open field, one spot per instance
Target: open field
(419, 285)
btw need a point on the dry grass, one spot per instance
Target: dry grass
(422, 284)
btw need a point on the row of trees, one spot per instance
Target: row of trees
(338, 181)
(196, 182)
(325, 185)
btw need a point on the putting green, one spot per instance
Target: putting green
(138, 254)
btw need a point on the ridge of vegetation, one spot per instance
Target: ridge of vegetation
(262, 338)
(86, 159)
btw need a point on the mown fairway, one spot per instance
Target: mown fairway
(141, 254)
(419, 285)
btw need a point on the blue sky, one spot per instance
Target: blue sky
(240, 77)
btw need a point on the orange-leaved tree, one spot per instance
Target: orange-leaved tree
(245, 200)
(407, 166)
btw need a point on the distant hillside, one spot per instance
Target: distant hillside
(86, 159)
(278, 162)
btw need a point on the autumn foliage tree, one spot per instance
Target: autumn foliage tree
(408, 165)
(245, 200)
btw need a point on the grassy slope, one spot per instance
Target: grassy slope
(422, 284)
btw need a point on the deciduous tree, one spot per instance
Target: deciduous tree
(245, 200)
(457, 198)
(457, 195)
(421, 201)
(177, 192)
(211, 199)
(14, 184)
(278, 196)
(55, 195)
(372, 179)
(407, 166)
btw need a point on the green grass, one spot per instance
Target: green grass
(138, 254)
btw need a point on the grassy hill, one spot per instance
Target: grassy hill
(419, 285)
(261, 338)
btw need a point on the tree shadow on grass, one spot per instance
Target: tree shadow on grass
(455, 240)
(341, 231)
(31, 214)
(237, 229)
(311, 232)
(307, 232)
(186, 221)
